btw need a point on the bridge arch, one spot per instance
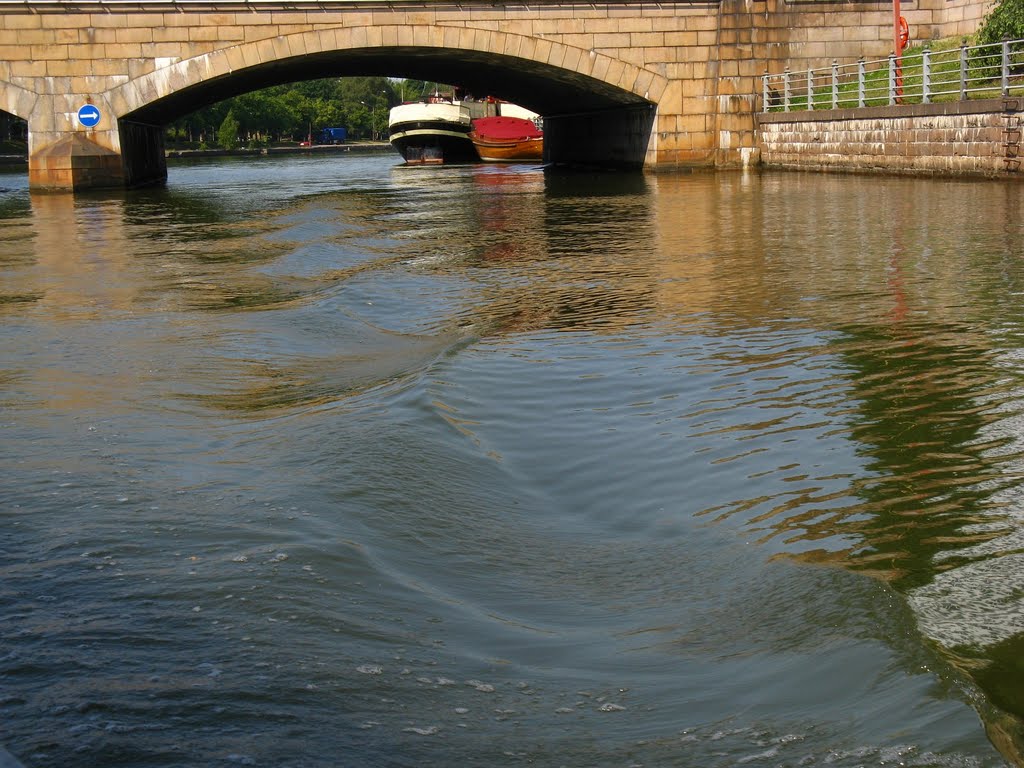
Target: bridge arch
(548, 76)
(598, 110)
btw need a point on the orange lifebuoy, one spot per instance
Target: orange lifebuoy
(904, 33)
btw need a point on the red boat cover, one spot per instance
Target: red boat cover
(502, 128)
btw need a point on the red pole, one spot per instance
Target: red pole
(896, 27)
(897, 46)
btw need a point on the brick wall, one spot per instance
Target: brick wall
(948, 139)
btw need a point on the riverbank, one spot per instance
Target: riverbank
(365, 147)
(353, 148)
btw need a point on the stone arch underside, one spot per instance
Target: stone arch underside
(546, 76)
(598, 111)
(16, 100)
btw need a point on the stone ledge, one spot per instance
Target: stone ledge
(979, 106)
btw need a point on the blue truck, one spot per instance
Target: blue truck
(333, 136)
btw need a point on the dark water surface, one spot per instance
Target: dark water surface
(332, 462)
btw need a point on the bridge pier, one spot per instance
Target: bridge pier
(64, 155)
(142, 153)
(73, 163)
(616, 138)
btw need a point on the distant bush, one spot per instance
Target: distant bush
(1005, 20)
(227, 134)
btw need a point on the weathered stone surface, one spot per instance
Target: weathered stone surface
(75, 162)
(921, 139)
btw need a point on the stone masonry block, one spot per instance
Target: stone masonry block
(557, 55)
(424, 36)
(108, 68)
(583, 41)
(404, 36)
(681, 39)
(467, 38)
(483, 40)
(542, 50)
(599, 25)
(265, 51)
(635, 25)
(22, 22)
(452, 37)
(289, 18)
(642, 84)
(601, 66)
(40, 37)
(44, 52)
(255, 34)
(109, 20)
(170, 35)
(585, 64)
(133, 35)
(283, 46)
(615, 71)
(65, 68)
(612, 40)
(646, 40)
(632, 56)
(355, 37)
(572, 58)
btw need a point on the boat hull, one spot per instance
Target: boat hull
(526, 150)
(507, 139)
(432, 143)
(432, 133)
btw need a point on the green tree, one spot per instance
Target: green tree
(1006, 19)
(296, 110)
(415, 90)
(227, 134)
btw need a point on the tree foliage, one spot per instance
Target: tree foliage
(299, 111)
(1005, 20)
(227, 134)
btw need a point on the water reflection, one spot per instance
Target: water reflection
(498, 455)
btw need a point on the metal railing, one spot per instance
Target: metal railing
(922, 77)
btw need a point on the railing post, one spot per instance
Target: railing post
(926, 76)
(860, 82)
(963, 71)
(787, 90)
(892, 79)
(765, 99)
(1005, 68)
(835, 84)
(810, 89)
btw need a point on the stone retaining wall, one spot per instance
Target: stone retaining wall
(965, 138)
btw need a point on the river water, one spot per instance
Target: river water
(334, 462)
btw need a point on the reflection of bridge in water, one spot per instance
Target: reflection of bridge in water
(626, 85)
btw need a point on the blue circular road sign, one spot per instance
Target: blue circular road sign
(88, 116)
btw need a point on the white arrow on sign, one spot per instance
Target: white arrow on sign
(88, 115)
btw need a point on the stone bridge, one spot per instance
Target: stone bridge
(636, 83)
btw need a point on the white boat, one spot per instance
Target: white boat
(432, 132)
